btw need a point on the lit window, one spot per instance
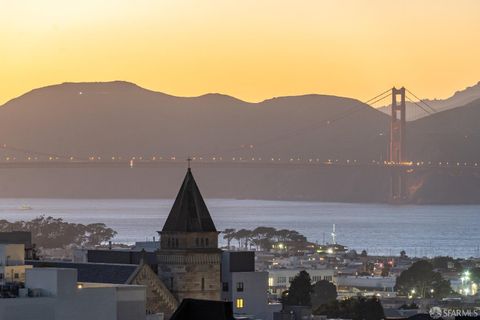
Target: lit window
(240, 303)
(270, 282)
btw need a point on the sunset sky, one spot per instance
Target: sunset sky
(250, 49)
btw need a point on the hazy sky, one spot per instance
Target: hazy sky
(251, 49)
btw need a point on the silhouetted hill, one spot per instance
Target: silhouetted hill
(123, 119)
(452, 135)
(460, 98)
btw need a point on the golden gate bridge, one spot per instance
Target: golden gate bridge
(397, 164)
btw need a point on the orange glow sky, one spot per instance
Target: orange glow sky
(250, 49)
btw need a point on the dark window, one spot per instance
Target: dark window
(203, 242)
(16, 276)
(171, 283)
(197, 242)
(176, 243)
(1, 276)
(203, 283)
(206, 242)
(239, 286)
(225, 287)
(168, 242)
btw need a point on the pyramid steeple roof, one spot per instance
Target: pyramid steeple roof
(189, 212)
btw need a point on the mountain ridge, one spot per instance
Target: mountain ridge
(122, 119)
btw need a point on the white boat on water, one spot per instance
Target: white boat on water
(25, 207)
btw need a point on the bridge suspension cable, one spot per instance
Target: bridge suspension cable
(421, 101)
(359, 106)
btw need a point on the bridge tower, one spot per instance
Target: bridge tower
(397, 152)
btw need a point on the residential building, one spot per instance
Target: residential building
(348, 286)
(247, 289)
(19, 237)
(279, 279)
(55, 294)
(158, 298)
(12, 263)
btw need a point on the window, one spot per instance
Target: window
(197, 242)
(176, 243)
(203, 283)
(171, 283)
(270, 282)
(1, 276)
(206, 242)
(169, 242)
(281, 279)
(225, 286)
(239, 303)
(239, 286)
(16, 276)
(203, 242)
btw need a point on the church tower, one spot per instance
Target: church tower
(189, 257)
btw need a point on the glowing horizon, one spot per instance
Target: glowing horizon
(247, 49)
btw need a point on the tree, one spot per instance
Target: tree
(261, 237)
(49, 232)
(228, 234)
(354, 308)
(445, 263)
(422, 281)
(364, 253)
(243, 234)
(324, 292)
(299, 293)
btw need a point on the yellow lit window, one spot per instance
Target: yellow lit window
(240, 304)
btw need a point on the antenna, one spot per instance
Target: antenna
(334, 235)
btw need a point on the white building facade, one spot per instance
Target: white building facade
(279, 279)
(54, 294)
(12, 263)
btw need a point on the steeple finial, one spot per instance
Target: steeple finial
(188, 162)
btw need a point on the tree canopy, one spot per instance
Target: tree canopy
(422, 281)
(323, 292)
(299, 293)
(354, 308)
(49, 232)
(262, 238)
